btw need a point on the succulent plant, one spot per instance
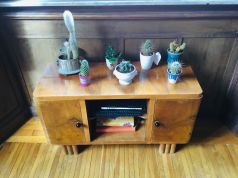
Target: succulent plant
(175, 68)
(175, 47)
(70, 49)
(84, 68)
(112, 55)
(125, 67)
(147, 48)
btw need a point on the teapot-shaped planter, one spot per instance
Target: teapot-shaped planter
(147, 61)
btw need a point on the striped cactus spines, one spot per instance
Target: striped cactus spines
(175, 47)
(84, 68)
(69, 23)
(147, 48)
(175, 68)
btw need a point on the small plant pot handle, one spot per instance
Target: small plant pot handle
(157, 58)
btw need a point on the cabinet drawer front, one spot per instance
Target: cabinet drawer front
(63, 121)
(174, 120)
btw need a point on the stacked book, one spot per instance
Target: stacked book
(118, 124)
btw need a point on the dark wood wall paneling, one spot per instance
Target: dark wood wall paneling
(14, 108)
(211, 37)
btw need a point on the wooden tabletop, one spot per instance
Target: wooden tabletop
(104, 85)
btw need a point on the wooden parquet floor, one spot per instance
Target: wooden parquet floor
(212, 153)
(112, 161)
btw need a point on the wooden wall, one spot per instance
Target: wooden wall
(212, 44)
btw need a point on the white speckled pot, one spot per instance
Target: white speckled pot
(110, 65)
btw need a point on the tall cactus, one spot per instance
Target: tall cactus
(72, 46)
(84, 68)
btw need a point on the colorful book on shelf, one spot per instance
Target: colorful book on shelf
(105, 129)
(118, 121)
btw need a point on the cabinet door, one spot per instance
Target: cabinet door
(174, 120)
(62, 121)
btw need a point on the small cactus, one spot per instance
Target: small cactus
(112, 55)
(84, 68)
(175, 68)
(175, 47)
(147, 48)
(125, 67)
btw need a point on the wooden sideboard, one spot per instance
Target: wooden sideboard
(61, 103)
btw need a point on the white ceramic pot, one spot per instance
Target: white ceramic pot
(125, 78)
(110, 65)
(147, 61)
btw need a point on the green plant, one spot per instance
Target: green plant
(125, 67)
(70, 49)
(84, 68)
(147, 48)
(175, 68)
(112, 55)
(175, 47)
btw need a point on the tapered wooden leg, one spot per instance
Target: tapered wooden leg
(65, 149)
(161, 148)
(167, 148)
(173, 148)
(75, 149)
(70, 149)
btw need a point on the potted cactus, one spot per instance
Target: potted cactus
(125, 72)
(68, 60)
(175, 51)
(112, 56)
(174, 71)
(148, 55)
(84, 73)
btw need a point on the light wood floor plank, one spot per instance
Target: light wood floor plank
(113, 161)
(29, 161)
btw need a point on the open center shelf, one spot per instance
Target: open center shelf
(95, 113)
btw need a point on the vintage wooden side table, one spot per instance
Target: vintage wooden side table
(171, 109)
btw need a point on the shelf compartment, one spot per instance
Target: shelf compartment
(120, 137)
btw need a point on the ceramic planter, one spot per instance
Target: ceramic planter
(111, 66)
(172, 57)
(84, 80)
(172, 78)
(147, 61)
(125, 78)
(68, 66)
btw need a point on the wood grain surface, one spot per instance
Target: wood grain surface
(60, 118)
(177, 118)
(123, 161)
(104, 85)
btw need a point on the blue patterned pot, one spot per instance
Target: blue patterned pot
(172, 57)
(172, 78)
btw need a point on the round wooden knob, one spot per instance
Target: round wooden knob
(78, 124)
(157, 123)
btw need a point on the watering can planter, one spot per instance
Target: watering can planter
(147, 61)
